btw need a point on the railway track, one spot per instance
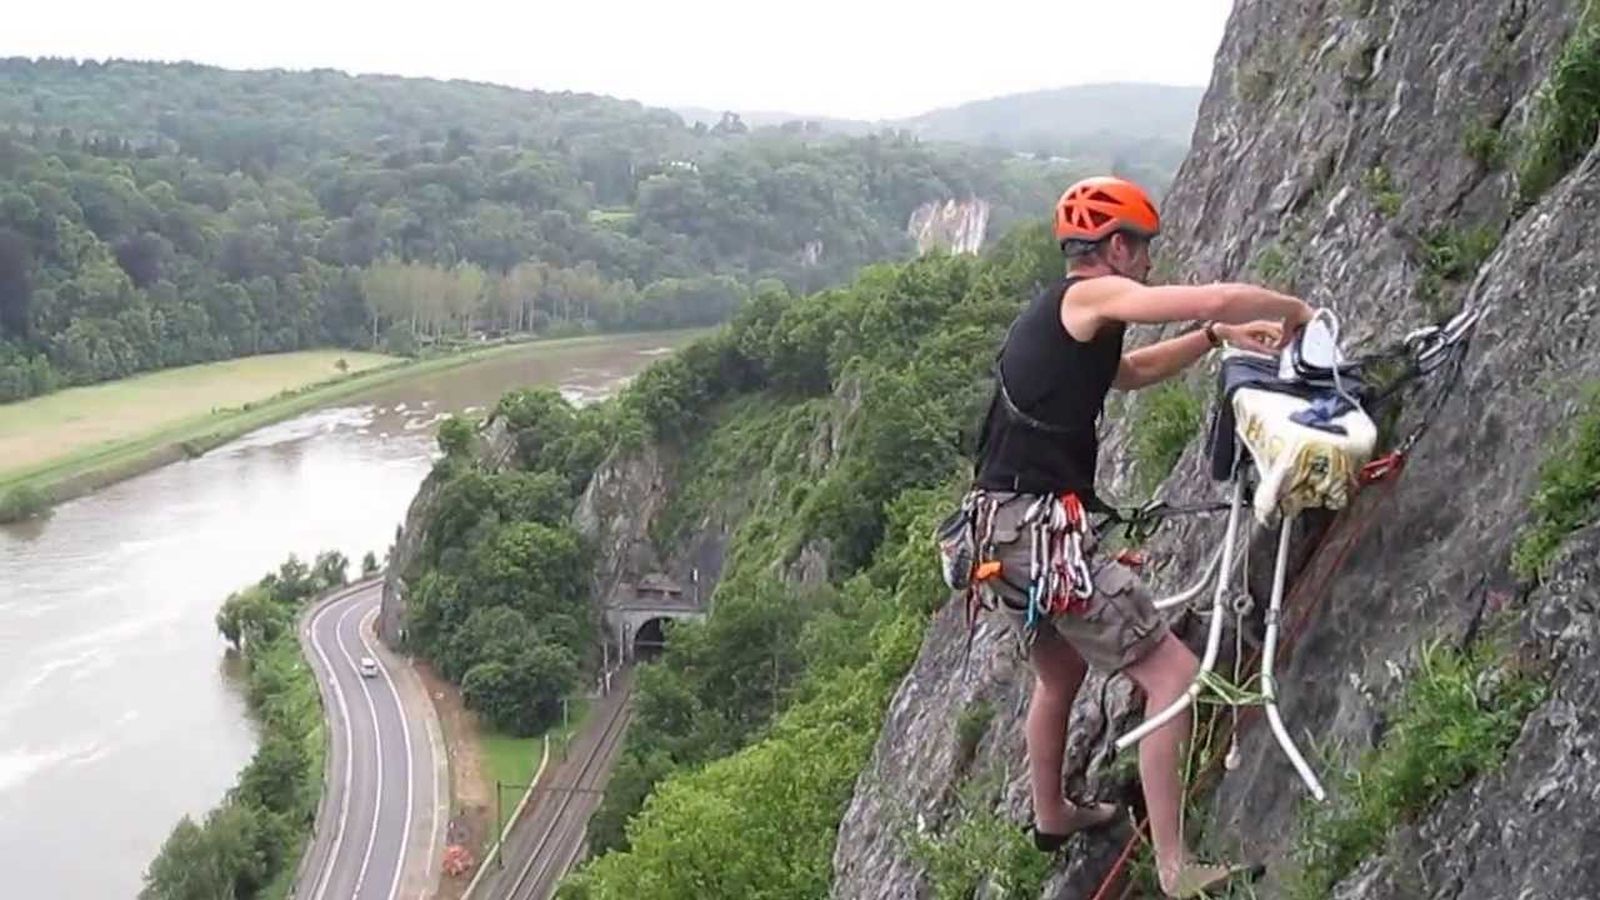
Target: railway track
(564, 815)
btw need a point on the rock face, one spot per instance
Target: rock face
(1336, 144)
(1529, 830)
(954, 225)
(614, 515)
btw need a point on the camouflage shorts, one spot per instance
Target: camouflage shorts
(1119, 626)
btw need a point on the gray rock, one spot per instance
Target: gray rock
(1307, 100)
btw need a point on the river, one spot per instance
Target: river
(119, 712)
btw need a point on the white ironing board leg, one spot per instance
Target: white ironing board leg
(1269, 687)
(1213, 639)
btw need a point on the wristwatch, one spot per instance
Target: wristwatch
(1211, 334)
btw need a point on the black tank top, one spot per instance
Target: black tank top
(1046, 439)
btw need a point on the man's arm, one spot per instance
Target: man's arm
(1164, 359)
(1160, 361)
(1125, 300)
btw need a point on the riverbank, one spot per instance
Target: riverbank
(255, 839)
(30, 490)
(115, 694)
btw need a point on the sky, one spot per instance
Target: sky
(849, 58)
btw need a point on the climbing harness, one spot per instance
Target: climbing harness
(1058, 533)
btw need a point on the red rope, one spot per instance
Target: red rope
(1296, 629)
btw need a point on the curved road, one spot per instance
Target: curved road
(379, 828)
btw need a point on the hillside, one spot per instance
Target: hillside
(1046, 121)
(1140, 130)
(828, 731)
(155, 215)
(795, 460)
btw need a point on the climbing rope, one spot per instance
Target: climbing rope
(1140, 523)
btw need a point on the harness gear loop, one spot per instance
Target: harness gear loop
(978, 530)
(1059, 580)
(1082, 580)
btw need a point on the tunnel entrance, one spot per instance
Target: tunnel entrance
(650, 640)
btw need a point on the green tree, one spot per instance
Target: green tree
(522, 695)
(456, 438)
(252, 616)
(230, 856)
(331, 569)
(275, 778)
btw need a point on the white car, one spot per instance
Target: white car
(369, 667)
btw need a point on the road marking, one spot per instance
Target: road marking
(405, 731)
(377, 746)
(433, 793)
(320, 885)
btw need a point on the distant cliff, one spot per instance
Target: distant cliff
(954, 225)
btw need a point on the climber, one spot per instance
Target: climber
(1036, 468)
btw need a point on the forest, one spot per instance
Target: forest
(154, 215)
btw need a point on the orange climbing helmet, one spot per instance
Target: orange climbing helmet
(1095, 208)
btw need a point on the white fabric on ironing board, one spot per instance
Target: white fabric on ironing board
(1299, 467)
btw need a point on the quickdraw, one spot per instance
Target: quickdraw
(1140, 524)
(1059, 581)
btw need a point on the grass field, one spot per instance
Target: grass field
(70, 468)
(512, 760)
(611, 218)
(43, 429)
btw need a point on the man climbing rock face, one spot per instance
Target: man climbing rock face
(1034, 480)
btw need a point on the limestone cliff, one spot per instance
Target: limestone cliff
(1359, 154)
(957, 226)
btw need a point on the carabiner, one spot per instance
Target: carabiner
(1082, 580)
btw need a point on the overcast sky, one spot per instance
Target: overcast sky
(853, 58)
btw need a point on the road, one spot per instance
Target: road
(380, 826)
(548, 841)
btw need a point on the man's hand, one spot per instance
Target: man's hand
(1256, 337)
(1293, 323)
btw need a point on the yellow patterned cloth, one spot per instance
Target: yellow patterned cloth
(1300, 467)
